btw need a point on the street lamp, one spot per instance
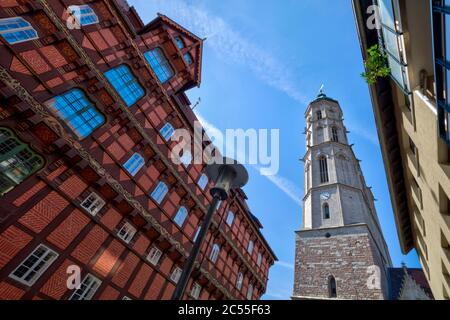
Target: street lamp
(227, 175)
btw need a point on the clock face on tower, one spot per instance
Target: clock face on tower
(325, 196)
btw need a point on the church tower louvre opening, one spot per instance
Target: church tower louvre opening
(340, 250)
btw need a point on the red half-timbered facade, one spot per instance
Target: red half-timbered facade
(86, 181)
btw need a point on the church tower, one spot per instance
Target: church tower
(340, 251)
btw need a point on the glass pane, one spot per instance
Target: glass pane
(387, 13)
(396, 71)
(391, 44)
(447, 37)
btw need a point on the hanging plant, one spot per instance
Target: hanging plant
(376, 65)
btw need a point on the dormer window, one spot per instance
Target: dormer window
(159, 64)
(16, 30)
(179, 42)
(188, 58)
(84, 14)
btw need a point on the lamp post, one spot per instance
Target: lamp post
(228, 175)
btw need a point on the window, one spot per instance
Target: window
(250, 292)
(239, 281)
(319, 114)
(154, 255)
(332, 292)
(214, 253)
(250, 247)
(159, 64)
(197, 233)
(176, 274)
(127, 232)
(334, 134)
(17, 161)
(84, 14)
(259, 260)
(134, 164)
(203, 181)
(34, 265)
(77, 112)
(188, 58)
(323, 169)
(125, 84)
(412, 147)
(230, 218)
(16, 30)
(326, 211)
(87, 288)
(186, 158)
(167, 131)
(93, 203)
(181, 216)
(179, 42)
(196, 289)
(160, 192)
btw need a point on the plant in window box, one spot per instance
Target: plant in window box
(376, 65)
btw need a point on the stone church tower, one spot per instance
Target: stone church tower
(340, 251)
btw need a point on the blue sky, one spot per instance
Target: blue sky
(263, 62)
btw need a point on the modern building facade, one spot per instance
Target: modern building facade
(411, 110)
(340, 251)
(90, 97)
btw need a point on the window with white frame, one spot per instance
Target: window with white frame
(259, 260)
(176, 274)
(186, 158)
(16, 30)
(181, 216)
(250, 292)
(196, 289)
(214, 253)
(34, 265)
(250, 247)
(239, 281)
(203, 181)
(93, 203)
(154, 255)
(167, 131)
(87, 288)
(134, 164)
(160, 192)
(126, 232)
(230, 218)
(84, 14)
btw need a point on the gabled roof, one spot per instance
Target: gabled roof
(155, 23)
(397, 278)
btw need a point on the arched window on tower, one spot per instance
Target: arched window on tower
(334, 134)
(332, 291)
(323, 169)
(326, 211)
(319, 114)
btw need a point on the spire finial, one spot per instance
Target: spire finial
(321, 92)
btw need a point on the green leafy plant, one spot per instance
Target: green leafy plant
(376, 65)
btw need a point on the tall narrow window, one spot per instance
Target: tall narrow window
(176, 274)
(323, 169)
(126, 232)
(154, 255)
(250, 292)
(160, 192)
(79, 114)
(17, 161)
(134, 164)
(34, 266)
(334, 134)
(230, 218)
(159, 64)
(179, 42)
(87, 288)
(188, 58)
(195, 291)
(167, 131)
(125, 84)
(332, 290)
(215, 252)
(259, 260)
(181, 216)
(250, 247)
(239, 281)
(319, 114)
(203, 181)
(84, 14)
(197, 233)
(326, 211)
(16, 30)
(93, 203)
